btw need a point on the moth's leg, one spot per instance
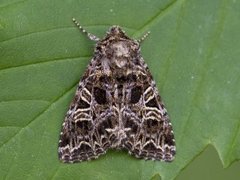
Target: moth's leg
(143, 37)
(89, 35)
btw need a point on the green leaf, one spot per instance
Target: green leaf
(193, 52)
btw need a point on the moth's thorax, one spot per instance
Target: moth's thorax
(121, 53)
(117, 48)
(120, 49)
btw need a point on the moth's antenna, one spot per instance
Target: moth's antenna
(143, 37)
(89, 35)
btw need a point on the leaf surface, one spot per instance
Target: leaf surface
(193, 53)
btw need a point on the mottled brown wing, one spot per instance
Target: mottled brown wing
(84, 133)
(146, 122)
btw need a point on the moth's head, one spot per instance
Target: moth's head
(118, 46)
(116, 31)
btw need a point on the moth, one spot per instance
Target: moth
(116, 105)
